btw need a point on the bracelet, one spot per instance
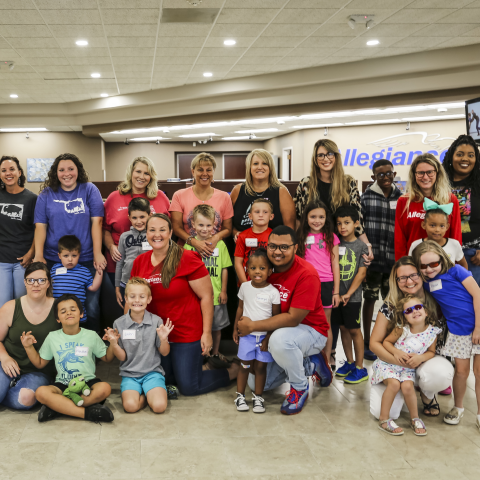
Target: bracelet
(335, 294)
(189, 240)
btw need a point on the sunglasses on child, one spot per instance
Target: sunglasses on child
(410, 310)
(424, 266)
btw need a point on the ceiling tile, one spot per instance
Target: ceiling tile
(268, 42)
(336, 60)
(215, 69)
(438, 3)
(121, 76)
(86, 70)
(146, 69)
(257, 60)
(16, 5)
(251, 68)
(205, 4)
(132, 31)
(66, 5)
(380, 14)
(59, 75)
(21, 17)
(329, 30)
(279, 30)
(23, 69)
(304, 15)
(216, 60)
(85, 52)
(299, 61)
(467, 15)
(14, 76)
(177, 69)
(338, 42)
(418, 15)
(79, 31)
(124, 89)
(217, 42)
(420, 42)
(181, 52)
(89, 60)
(183, 30)
(71, 17)
(394, 4)
(459, 41)
(223, 52)
(130, 16)
(40, 52)
(232, 4)
(264, 52)
(246, 15)
(128, 3)
(472, 33)
(136, 81)
(174, 60)
(48, 61)
(392, 51)
(361, 42)
(392, 30)
(132, 61)
(116, 42)
(446, 30)
(39, 42)
(177, 42)
(352, 52)
(21, 31)
(312, 52)
(236, 30)
(93, 42)
(132, 52)
(317, 4)
(54, 69)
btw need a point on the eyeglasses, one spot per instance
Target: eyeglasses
(283, 248)
(410, 310)
(381, 176)
(424, 266)
(429, 173)
(32, 281)
(402, 280)
(321, 156)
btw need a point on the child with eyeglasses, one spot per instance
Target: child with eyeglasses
(412, 342)
(458, 295)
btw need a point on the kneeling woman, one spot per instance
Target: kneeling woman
(182, 292)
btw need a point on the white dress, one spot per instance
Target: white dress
(410, 343)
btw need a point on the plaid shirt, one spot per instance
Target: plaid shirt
(379, 218)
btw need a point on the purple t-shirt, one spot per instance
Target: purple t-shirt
(69, 213)
(316, 254)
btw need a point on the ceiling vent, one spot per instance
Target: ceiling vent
(189, 15)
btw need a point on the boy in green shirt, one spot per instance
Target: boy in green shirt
(203, 221)
(74, 350)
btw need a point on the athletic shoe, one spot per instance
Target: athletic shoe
(369, 355)
(294, 401)
(447, 391)
(98, 413)
(322, 372)
(345, 369)
(172, 392)
(453, 417)
(357, 375)
(45, 414)
(241, 403)
(258, 404)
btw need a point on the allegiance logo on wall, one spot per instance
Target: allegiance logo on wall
(393, 148)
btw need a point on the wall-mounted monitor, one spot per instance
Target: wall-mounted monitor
(472, 115)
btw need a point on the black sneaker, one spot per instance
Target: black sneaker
(45, 414)
(98, 413)
(172, 392)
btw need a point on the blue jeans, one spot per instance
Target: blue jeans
(13, 285)
(290, 348)
(475, 269)
(9, 396)
(183, 367)
(92, 301)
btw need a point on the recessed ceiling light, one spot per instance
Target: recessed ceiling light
(237, 138)
(373, 42)
(95, 75)
(23, 129)
(442, 109)
(191, 135)
(146, 139)
(104, 95)
(229, 42)
(13, 95)
(81, 43)
(259, 130)
(208, 74)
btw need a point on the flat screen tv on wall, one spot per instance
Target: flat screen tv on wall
(472, 116)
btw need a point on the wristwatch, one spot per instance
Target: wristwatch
(189, 240)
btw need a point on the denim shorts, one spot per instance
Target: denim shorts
(249, 349)
(143, 384)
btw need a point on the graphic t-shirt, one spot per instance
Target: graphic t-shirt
(470, 214)
(69, 213)
(131, 244)
(350, 260)
(185, 201)
(317, 254)
(16, 224)
(299, 287)
(452, 248)
(74, 355)
(248, 241)
(215, 264)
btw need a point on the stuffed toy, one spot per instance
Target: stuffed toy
(77, 386)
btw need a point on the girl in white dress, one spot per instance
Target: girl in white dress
(411, 343)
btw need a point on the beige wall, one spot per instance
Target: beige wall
(50, 145)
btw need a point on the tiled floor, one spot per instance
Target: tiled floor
(335, 437)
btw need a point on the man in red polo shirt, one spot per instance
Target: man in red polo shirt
(300, 331)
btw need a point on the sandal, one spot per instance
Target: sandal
(391, 427)
(417, 424)
(431, 406)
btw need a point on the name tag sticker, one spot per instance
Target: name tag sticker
(215, 252)
(61, 271)
(262, 297)
(146, 246)
(393, 204)
(342, 250)
(81, 351)
(310, 241)
(435, 285)
(414, 344)
(251, 242)
(129, 334)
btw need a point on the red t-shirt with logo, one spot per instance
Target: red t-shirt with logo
(116, 216)
(300, 287)
(243, 250)
(178, 302)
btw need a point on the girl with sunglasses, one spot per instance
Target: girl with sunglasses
(458, 295)
(412, 342)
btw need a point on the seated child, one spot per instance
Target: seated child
(138, 339)
(254, 237)
(436, 224)
(73, 350)
(347, 314)
(258, 300)
(70, 277)
(203, 221)
(412, 342)
(131, 244)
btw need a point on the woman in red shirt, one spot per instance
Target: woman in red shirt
(181, 291)
(426, 178)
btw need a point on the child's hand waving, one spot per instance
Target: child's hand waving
(27, 339)
(163, 331)
(111, 335)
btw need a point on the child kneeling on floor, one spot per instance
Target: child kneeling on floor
(74, 350)
(138, 338)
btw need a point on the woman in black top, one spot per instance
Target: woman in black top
(261, 182)
(17, 206)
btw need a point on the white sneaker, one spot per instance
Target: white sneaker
(258, 404)
(453, 416)
(241, 403)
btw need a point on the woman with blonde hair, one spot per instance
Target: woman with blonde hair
(426, 179)
(261, 182)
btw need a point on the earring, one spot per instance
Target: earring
(18, 182)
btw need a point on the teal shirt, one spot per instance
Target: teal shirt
(215, 265)
(74, 355)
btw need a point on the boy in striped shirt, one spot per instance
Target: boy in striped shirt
(70, 277)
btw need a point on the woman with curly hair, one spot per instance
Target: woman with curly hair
(462, 165)
(69, 204)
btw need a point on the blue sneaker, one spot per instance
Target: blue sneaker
(294, 401)
(322, 373)
(358, 375)
(369, 355)
(345, 369)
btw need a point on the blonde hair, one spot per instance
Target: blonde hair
(340, 190)
(203, 209)
(152, 187)
(434, 247)
(205, 158)
(262, 200)
(138, 281)
(401, 307)
(272, 174)
(442, 190)
(174, 254)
